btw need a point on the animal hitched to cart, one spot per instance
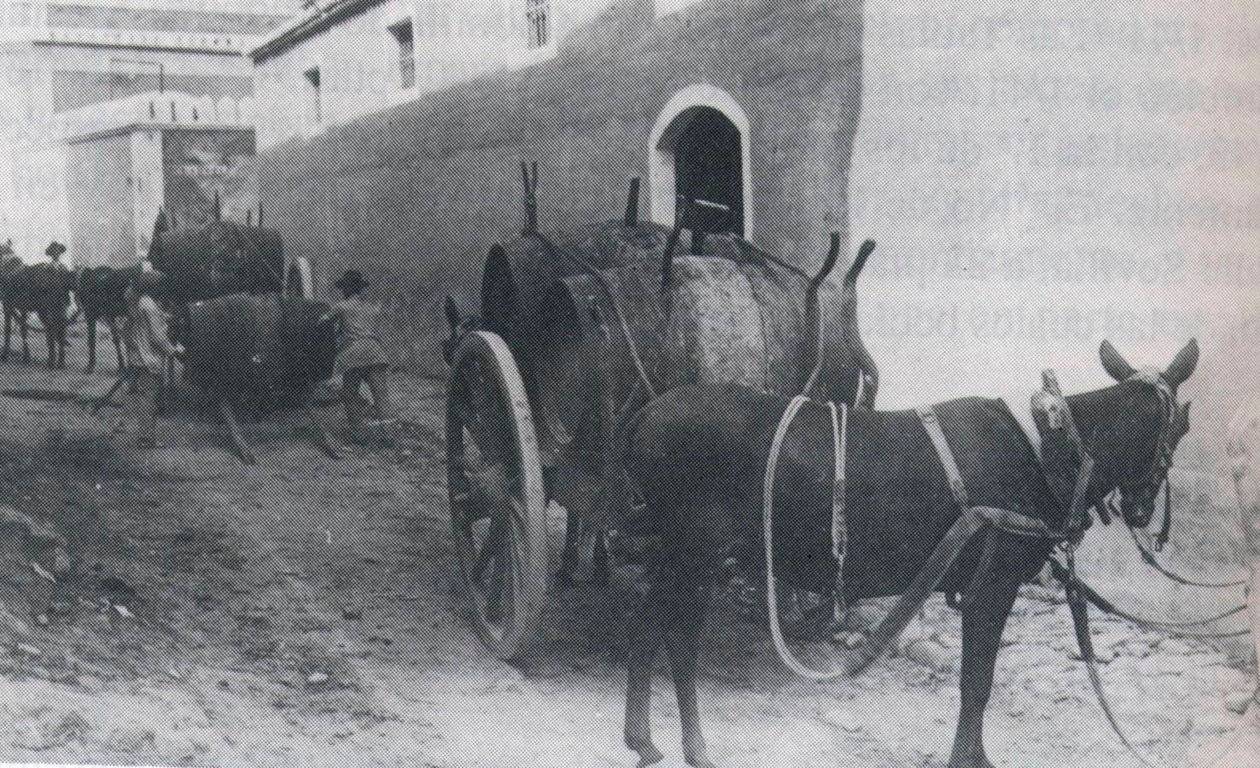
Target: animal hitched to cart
(146, 330)
(873, 504)
(361, 357)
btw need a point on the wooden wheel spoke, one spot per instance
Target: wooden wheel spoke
(494, 594)
(492, 549)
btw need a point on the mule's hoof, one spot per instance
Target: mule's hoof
(648, 753)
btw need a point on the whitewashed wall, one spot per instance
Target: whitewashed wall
(358, 58)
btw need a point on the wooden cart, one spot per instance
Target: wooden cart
(577, 330)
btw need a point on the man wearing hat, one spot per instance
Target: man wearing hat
(149, 347)
(54, 252)
(361, 356)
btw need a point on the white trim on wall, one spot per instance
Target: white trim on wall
(669, 124)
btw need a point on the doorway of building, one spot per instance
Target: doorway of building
(708, 162)
(700, 149)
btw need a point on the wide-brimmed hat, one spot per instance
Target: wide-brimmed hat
(351, 280)
(54, 249)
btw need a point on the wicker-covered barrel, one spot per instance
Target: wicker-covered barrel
(258, 348)
(217, 259)
(730, 322)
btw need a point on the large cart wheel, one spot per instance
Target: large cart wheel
(498, 506)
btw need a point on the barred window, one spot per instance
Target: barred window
(538, 23)
(314, 104)
(406, 40)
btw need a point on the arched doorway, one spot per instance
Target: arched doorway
(700, 149)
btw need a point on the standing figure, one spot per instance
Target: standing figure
(361, 355)
(149, 347)
(54, 252)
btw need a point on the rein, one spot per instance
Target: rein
(1148, 557)
(1080, 595)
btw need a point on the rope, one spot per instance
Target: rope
(1070, 580)
(1149, 558)
(767, 519)
(839, 525)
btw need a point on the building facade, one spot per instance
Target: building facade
(129, 158)
(61, 56)
(400, 158)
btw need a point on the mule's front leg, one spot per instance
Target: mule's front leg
(684, 643)
(649, 627)
(984, 619)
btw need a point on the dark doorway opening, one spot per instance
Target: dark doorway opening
(708, 157)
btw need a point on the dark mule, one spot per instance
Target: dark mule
(698, 455)
(42, 289)
(101, 293)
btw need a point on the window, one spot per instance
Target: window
(405, 37)
(538, 23)
(314, 109)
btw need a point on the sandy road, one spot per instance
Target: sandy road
(304, 612)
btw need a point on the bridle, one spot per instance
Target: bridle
(1059, 416)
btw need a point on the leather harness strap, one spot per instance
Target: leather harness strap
(867, 648)
(932, 425)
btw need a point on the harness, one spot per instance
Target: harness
(866, 648)
(1064, 461)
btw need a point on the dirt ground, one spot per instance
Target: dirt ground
(305, 612)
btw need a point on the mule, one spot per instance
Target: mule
(697, 455)
(42, 289)
(101, 294)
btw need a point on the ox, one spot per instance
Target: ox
(42, 289)
(698, 454)
(101, 293)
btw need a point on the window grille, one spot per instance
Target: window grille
(315, 107)
(406, 40)
(538, 23)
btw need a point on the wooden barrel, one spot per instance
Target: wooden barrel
(258, 348)
(218, 259)
(519, 273)
(730, 322)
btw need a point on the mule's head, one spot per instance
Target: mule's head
(1136, 435)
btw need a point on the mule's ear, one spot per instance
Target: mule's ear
(1114, 363)
(452, 313)
(1183, 365)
